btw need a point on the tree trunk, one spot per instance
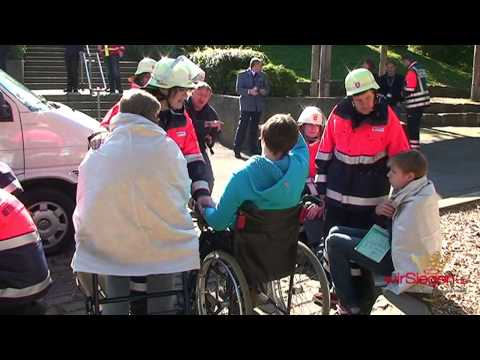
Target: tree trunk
(383, 59)
(475, 93)
(315, 70)
(325, 70)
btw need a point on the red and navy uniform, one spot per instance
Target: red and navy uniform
(24, 274)
(417, 98)
(310, 186)
(352, 161)
(179, 127)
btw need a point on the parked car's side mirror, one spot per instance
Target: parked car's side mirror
(5, 110)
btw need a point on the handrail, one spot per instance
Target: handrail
(101, 72)
(89, 59)
(88, 67)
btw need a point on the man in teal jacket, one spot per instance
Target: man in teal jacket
(273, 181)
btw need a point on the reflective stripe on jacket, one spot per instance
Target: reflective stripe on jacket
(353, 155)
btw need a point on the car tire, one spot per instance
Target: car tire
(52, 212)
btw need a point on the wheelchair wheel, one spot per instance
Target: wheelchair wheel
(221, 287)
(309, 278)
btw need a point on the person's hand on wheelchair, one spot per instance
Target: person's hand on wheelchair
(314, 211)
(203, 202)
(314, 207)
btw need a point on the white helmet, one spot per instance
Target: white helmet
(146, 65)
(312, 115)
(181, 72)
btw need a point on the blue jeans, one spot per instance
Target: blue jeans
(341, 242)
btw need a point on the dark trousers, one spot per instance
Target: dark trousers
(414, 117)
(248, 120)
(208, 169)
(72, 63)
(337, 216)
(354, 291)
(138, 286)
(113, 63)
(314, 232)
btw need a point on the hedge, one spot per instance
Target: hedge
(222, 65)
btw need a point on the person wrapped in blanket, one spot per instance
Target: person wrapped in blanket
(413, 224)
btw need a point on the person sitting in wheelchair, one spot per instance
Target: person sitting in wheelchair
(412, 218)
(131, 219)
(271, 185)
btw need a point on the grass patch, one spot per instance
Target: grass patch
(344, 57)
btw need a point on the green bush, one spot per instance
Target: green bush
(283, 81)
(222, 65)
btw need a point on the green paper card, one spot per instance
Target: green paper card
(375, 244)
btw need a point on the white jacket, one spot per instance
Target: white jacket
(415, 231)
(131, 217)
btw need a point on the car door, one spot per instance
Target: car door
(11, 136)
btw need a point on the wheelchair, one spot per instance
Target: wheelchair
(259, 267)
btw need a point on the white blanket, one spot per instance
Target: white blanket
(415, 233)
(131, 217)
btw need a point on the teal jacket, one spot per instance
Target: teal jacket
(270, 185)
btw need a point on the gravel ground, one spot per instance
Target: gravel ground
(461, 245)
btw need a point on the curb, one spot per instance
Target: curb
(452, 203)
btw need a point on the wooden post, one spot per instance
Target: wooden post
(325, 70)
(383, 59)
(315, 70)
(475, 93)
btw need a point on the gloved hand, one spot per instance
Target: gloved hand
(205, 201)
(314, 211)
